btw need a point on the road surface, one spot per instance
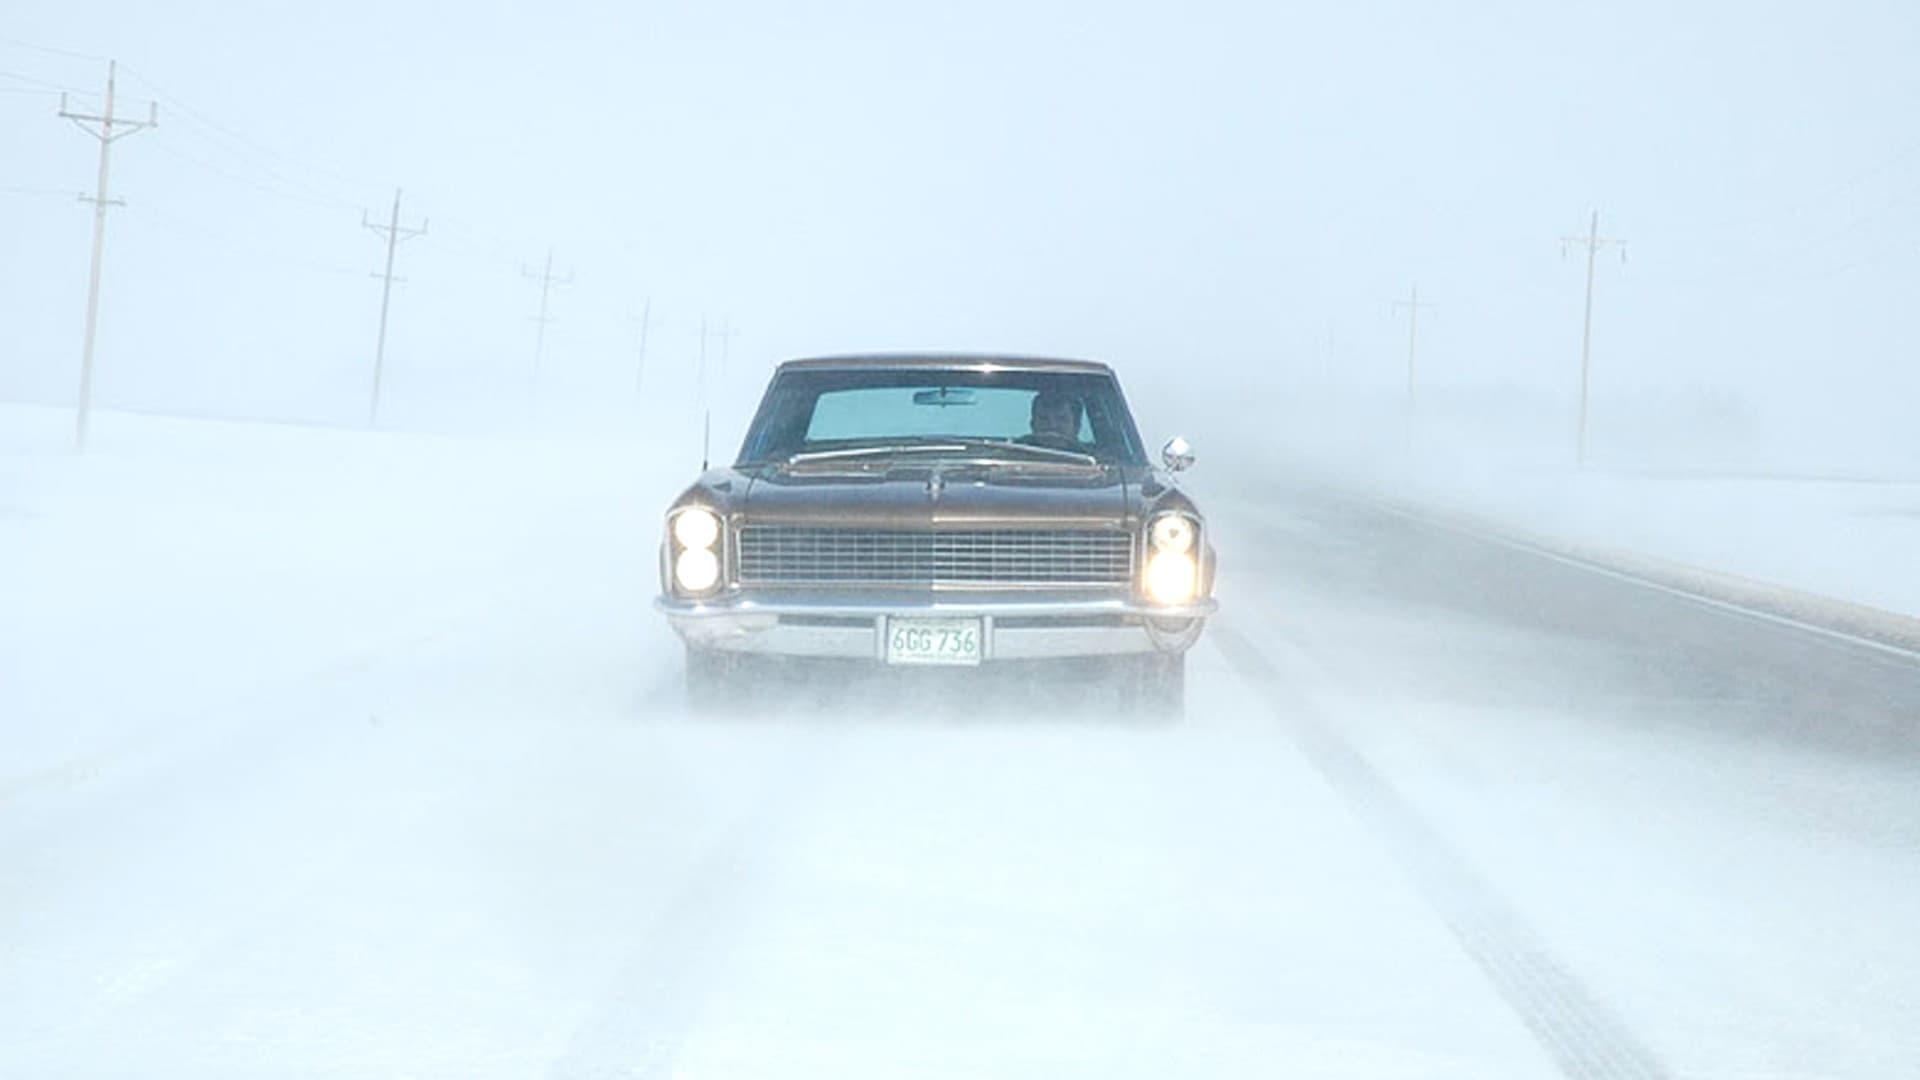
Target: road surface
(1440, 808)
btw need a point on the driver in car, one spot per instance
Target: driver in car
(1055, 421)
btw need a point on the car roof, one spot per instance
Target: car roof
(949, 360)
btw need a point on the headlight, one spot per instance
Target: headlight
(696, 528)
(695, 549)
(1172, 577)
(697, 568)
(1171, 533)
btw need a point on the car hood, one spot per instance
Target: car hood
(932, 495)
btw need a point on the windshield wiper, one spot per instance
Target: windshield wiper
(1049, 453)
(995, 447)
(805, 456)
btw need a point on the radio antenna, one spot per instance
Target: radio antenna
(706, 436)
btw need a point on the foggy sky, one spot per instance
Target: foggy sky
(1201, 194)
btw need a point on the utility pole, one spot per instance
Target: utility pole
(1413, 305)
(640, 365)
(107, 128)
(547, 281)
(394, 234)
(1593, 242)
(1326, 359)
(726, 334)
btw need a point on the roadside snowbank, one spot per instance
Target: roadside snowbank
(1856, 540)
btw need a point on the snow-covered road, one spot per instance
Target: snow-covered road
(337, 756)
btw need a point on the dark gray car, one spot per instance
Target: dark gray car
(941, 510)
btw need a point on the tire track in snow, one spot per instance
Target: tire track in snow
(1585, 1039)
(662, 985)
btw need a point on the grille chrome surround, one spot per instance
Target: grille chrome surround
(808, 555)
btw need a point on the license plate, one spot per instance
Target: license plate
(933, 641)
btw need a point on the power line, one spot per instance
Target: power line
(269, 180)
(264, 189)
(352, 185)
(1808, 202)
(245, 246)
(479, 245)
(1593, 242)
(332, 189)
(104, 124)
(51, 51)
(38, 85)
(328, 187)
(395, 234)
(339, 192)
(244, 151)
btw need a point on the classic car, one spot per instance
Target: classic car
(963, 510)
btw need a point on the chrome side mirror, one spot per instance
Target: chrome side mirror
(1176, 455)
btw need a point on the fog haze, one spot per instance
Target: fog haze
(1237, 191)
(1395, 738)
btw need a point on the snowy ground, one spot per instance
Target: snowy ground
(330, 754)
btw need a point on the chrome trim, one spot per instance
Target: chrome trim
(756, 629)
(1177, 454)
(867, 643)
(818, 604)
(788, 555)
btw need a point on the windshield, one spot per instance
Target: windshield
(808, 412)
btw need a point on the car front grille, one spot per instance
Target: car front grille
(803, 555)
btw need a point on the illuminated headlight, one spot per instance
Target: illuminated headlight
(696, 528)
(1171, 533)
(1172, 577)
(696, 543)
(697, 569)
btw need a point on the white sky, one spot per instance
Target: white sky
(1177, 188)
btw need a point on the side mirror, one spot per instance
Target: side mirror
(1176, 455)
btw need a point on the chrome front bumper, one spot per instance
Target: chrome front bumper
(1014, 627)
